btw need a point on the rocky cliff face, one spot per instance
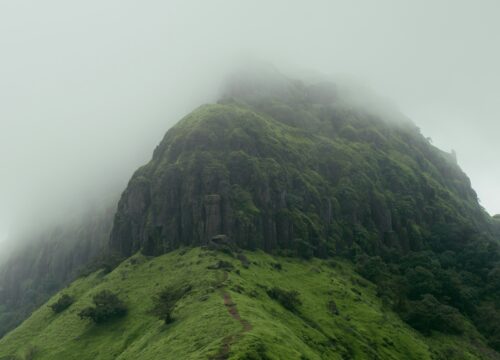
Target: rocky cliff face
(284, 166)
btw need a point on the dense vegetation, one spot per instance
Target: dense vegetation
(229, 314)
(436, 289)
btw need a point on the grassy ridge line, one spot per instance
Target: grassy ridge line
(364, 329)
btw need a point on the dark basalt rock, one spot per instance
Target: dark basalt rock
(212, 216)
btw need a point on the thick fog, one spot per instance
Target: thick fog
(88, 88)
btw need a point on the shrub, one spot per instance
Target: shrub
(164, 302)
(289, 299)
(64, 302)
(107, 306)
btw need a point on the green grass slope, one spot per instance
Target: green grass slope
(228, 314)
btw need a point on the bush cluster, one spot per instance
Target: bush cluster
(107, 306)
(165, 301)
(64, 302)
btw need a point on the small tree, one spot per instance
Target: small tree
(164, 302)
(107, 305)
(64, 302)
(288, 298)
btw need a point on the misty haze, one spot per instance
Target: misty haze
(249, 180)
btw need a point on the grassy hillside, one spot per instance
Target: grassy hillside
(229, 313)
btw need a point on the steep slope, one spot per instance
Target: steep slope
(50, 260)
(228, 313)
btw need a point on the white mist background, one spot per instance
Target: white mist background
(88, 88)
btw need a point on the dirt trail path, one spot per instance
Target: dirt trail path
(232, 309)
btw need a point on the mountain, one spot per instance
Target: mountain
(294, 168)
(291, 219)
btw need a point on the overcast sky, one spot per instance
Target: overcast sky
(88, 88)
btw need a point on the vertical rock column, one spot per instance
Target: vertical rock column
(212, 216)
